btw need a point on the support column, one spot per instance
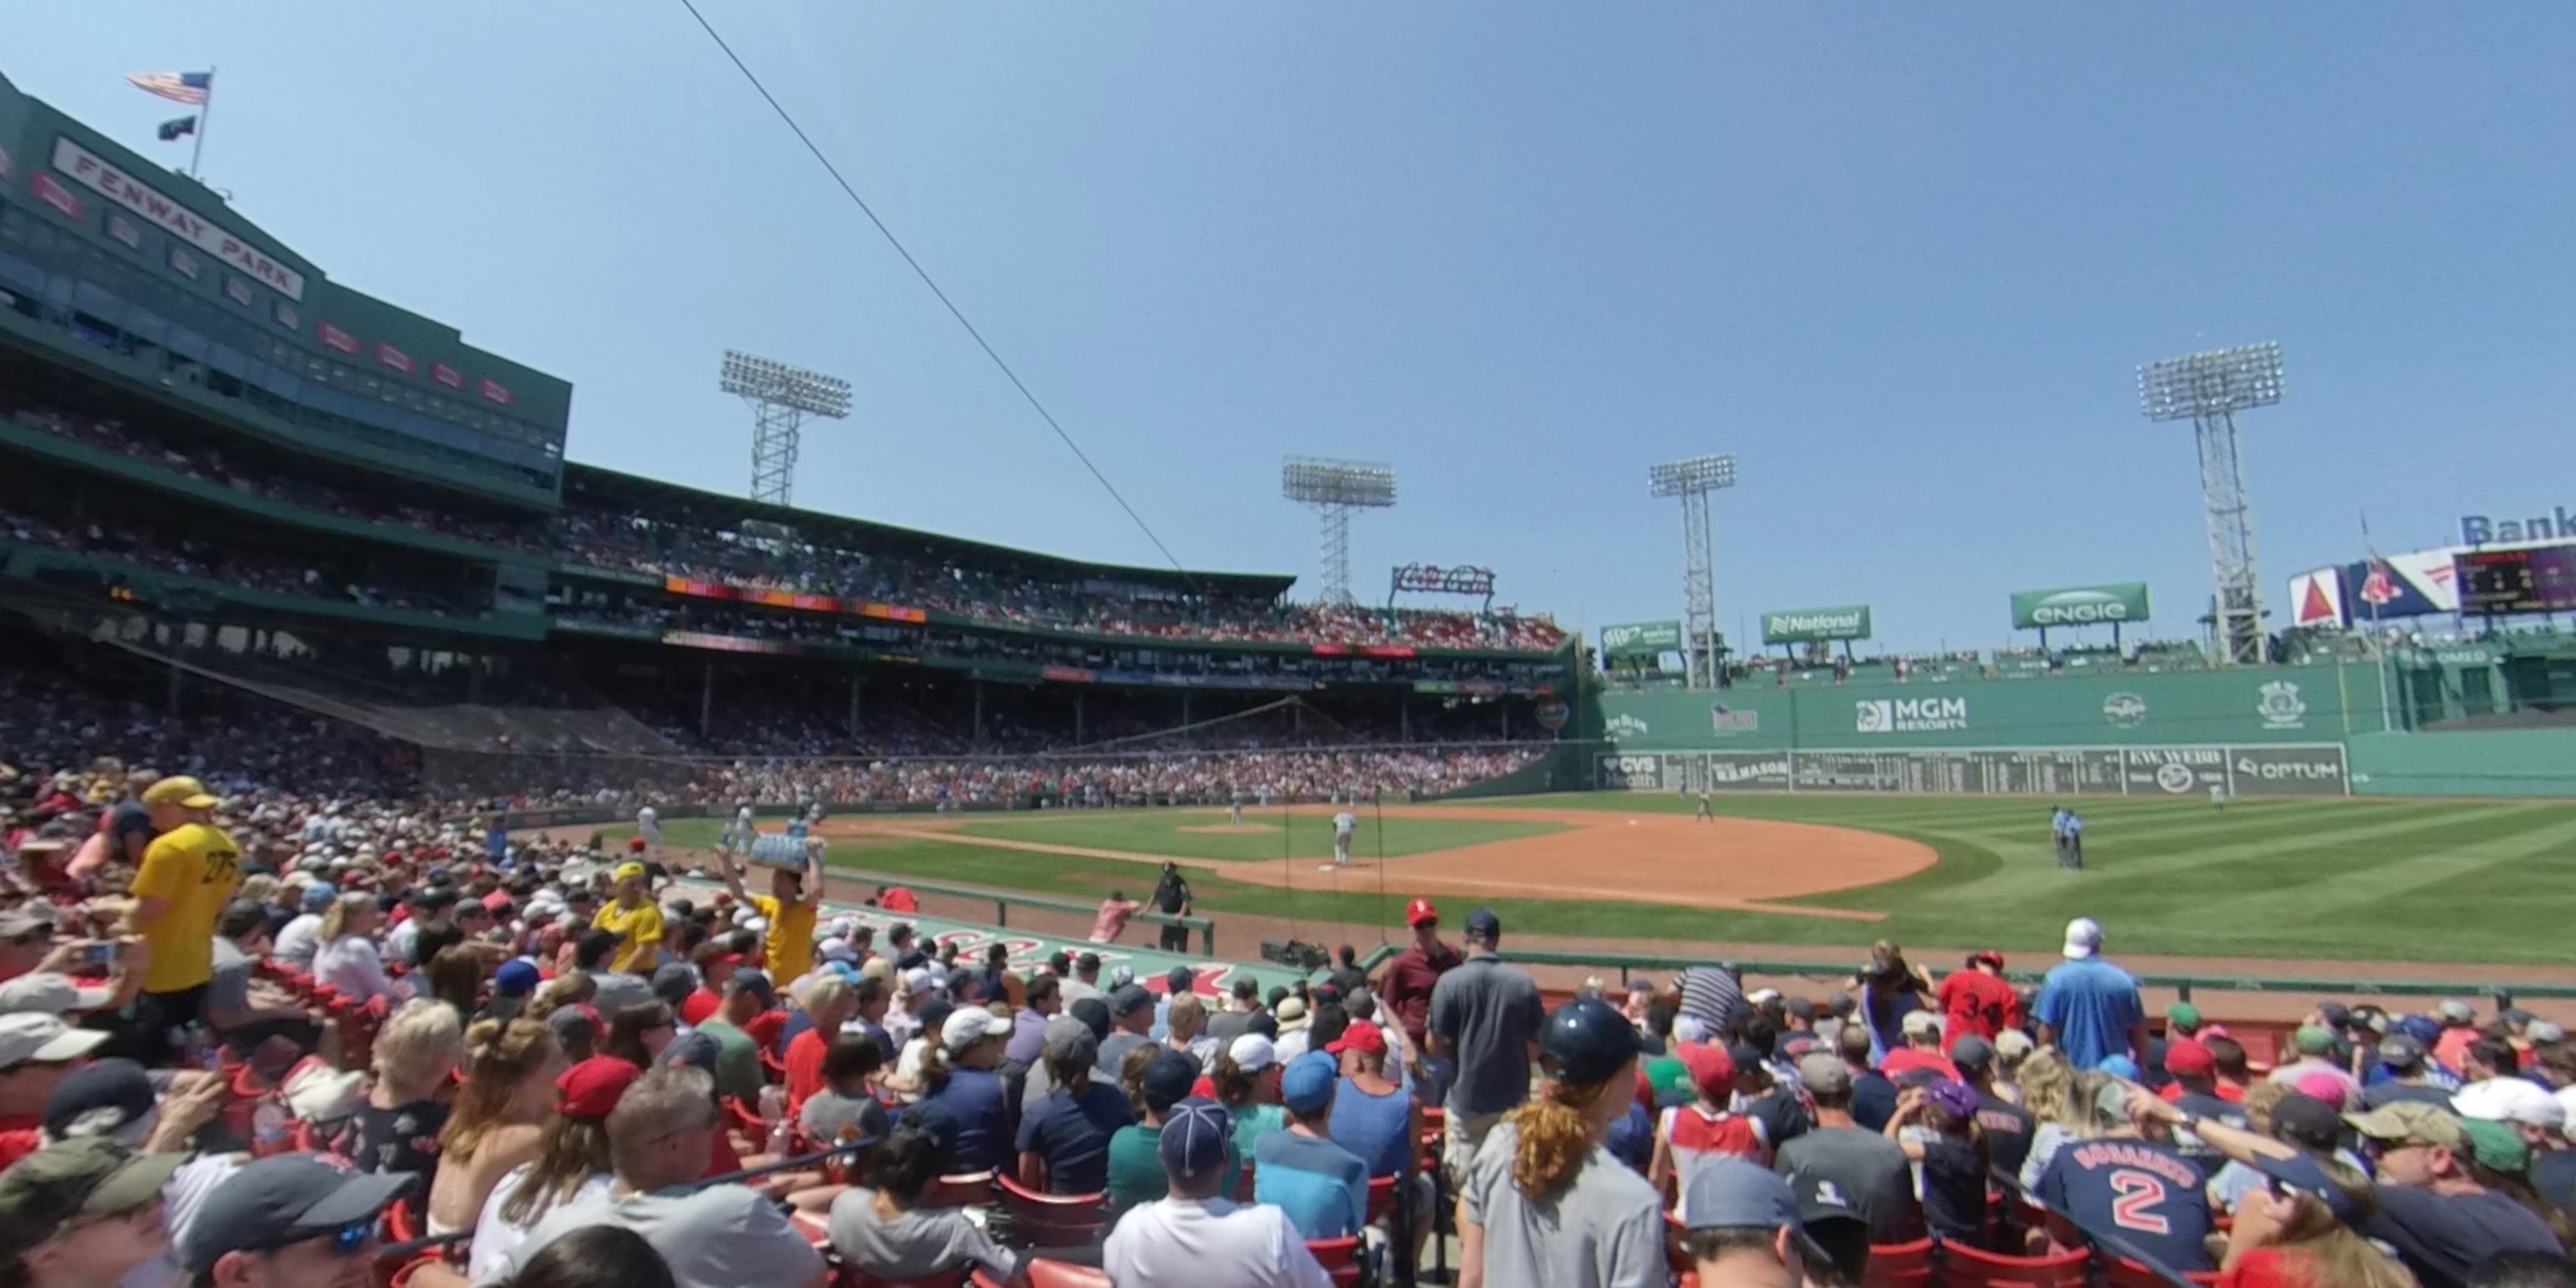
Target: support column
(170, 699)
(1078, 736)
(1404, 719)
(706, 695)
(979, 714)
(855, 682)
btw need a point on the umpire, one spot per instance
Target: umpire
(1172, 896)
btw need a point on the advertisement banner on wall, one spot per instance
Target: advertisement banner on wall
(1632, 772)
(1641, 639)
(2122, 601)
(2287, 771)
(1747, 771)
(1809, 625)
(2174, 771)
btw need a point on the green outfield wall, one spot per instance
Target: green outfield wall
(2496, 762)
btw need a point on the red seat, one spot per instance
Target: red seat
(746, 1120)
(1966, 1267)
(962, 1190)
(2120, 1272)
(400, 1226)
(1381, 1197)
(1340, 1258)
(1060, 1274)
(1052, 1220)
(1899, 1265)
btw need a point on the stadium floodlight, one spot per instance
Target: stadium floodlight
(1692, 480)
(1335, 488)
(2208, 389)
(781, 397)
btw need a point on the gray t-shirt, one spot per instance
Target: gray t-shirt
(1113, 1053)
(723, 1236)
(1487, 1011)
(915, 1245)
(229, 989)
(619, 990)
(1603, 1229)
(1870, 1170)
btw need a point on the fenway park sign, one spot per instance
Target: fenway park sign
(94, 172)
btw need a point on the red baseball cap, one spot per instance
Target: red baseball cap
(1361, 1036)
(1419, 911)
(1991, 958)
(1712, 1070)
(591, 1088)
(635, 845)
(2189, 1059)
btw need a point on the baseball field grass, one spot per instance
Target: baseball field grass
(2490, 882)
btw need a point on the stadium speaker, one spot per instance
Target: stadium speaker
(1295, 952)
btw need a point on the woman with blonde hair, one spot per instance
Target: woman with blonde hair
(2297, 1231)
(2061, 1104)
(510, 1069)
(571, 988)
(1542, 1193)
(397, 1129)
(571, 1165)
(347, 961)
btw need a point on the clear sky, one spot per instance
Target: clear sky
(1903, 259)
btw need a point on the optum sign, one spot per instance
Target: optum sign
(2080, 605)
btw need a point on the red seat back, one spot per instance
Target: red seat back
(1340, 1258)
(854, 1278)
(1052, 1220)
(1381, 1198)
(1899, 1265)
(961, 1190)
(1966, 1267)
(2120, 1272)
(1060, 1274)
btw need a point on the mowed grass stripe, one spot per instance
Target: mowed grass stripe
(2535, 852)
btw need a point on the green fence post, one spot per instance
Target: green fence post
(1001, 912)
(1207, 939)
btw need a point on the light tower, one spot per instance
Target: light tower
(1692, 480)
(1335, 488)
(781, 397)
(2208, 389)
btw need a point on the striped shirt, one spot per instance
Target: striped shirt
(1713, 994)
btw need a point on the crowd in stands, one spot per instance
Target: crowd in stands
(251, 1038)
(1348, 774)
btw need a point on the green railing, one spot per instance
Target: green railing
(1004, 901)
(2500, 993)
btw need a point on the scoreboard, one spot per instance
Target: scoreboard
(2533, 579)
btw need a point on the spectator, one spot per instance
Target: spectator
(1186, 1030)
(244, 1012)
(1936, 1126)
(1246, 1080)
(959, 1078)
(1405, 988)
(1320, 1185)
(82, 1214)
(1064, 1136)
(189, 873)
(2089, 1008)
(348, 962)
(1112, 921)
(2300, 1231)
(1131, 1018)
(830, 1002)
(2403, 1060)
(499, 1118)
(290, 1221)
(847, 1109)
(794, 902)
(1543, 1201)
(1741, 1228)
(1861, 1164)
(1042, 999)
(660, 1136)
(302, 937)
(2005, 1126)
(1711, 993)
(2459, 1022)
(1485, 1016)
(398, 1128)
(1873, 1096)
(2194, 1069)
(572, 1166)
(1977, 1001)
(1689, 1137)
(2303, 1122)
(1243, 1004)
(738, 1074)
(1197, 1236)
(1891, 989)
(2315, 1072)
(882, 1230)
(603, 1256)
(1377, 1120)
(1922, 1049)
(2120, 1184)
(1135, 1170)
(639, 1034)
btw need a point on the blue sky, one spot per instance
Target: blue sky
(1902, 259)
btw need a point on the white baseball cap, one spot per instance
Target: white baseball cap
(2510, 1100)
(47, 993)
(2083, 938)
(43, 1039)
(1253, 1053)
(971, 1025)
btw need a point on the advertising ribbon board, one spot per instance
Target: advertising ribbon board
(2121, 601)
(1641, 639)
(1807, 625)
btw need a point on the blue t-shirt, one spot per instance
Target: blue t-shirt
(1072, 1134)
(1376, 1129)
(1320, 1185)
(1632, 1136)
(974, 1097)
(2093, 1005)
(2143, 1194)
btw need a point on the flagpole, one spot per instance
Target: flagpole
(205, 121)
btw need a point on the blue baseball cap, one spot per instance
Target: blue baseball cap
(1194, 1139)
(1168, 1079)
(318, 896)
(1584, 1042)
(516, 978)
(1306, 1086)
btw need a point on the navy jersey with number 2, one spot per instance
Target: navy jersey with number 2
(2142, 1194)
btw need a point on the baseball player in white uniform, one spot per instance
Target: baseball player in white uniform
(2218, 796)
(1234, 807)
(1344, 824)
(648, 825)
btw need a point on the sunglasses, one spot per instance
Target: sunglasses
(343, 1239)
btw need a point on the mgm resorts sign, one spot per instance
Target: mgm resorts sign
(1910, 715)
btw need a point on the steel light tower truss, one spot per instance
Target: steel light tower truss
(2208, 389)
(1334, 489)
(781, 397)
(1692, 480)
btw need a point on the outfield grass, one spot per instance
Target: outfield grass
(1284, 833)
(2384, 880)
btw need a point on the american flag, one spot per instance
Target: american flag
(178, 87)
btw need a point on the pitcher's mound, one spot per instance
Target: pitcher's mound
(1231, 829)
